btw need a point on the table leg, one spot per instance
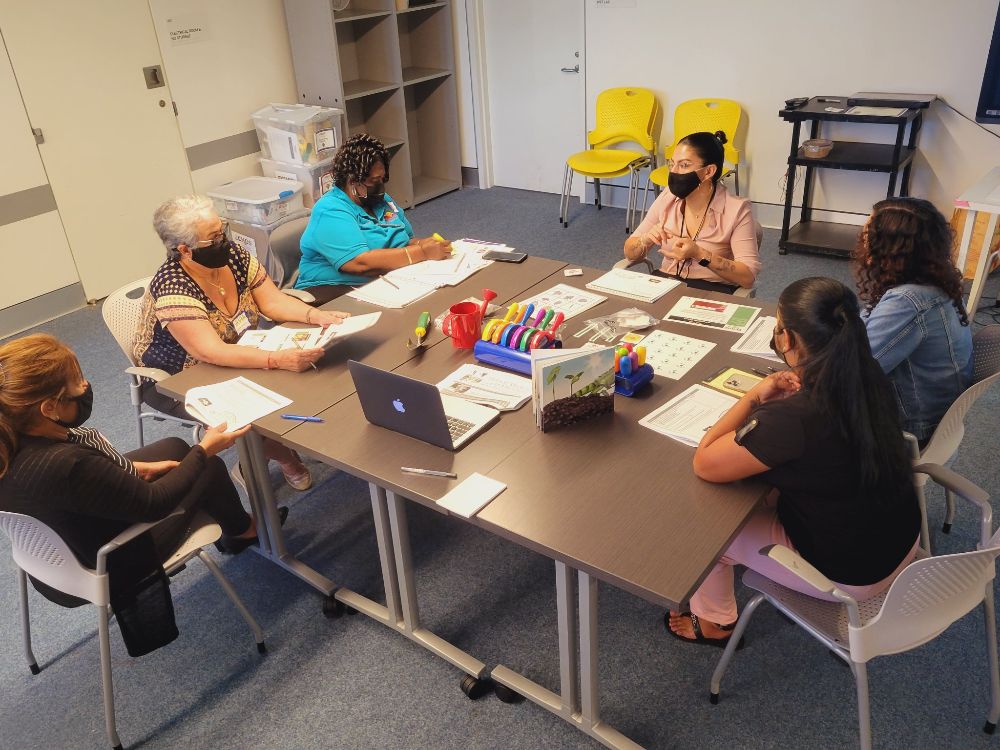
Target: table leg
(979, 280)
(578, 707)
(410, 625)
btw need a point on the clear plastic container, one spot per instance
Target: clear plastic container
(298, 133)
(256, 240)
(316, 179)
(817, 148)
(257, 200)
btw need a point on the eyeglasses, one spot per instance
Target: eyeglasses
(684, 165)
(217, 236)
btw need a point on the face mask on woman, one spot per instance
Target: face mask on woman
(682, 184)
(84, 407)
(373, 197)
(215, 255)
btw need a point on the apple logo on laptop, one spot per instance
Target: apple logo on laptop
(398, 406)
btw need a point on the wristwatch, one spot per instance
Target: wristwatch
(706, 262)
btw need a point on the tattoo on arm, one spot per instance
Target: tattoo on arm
(722, 264)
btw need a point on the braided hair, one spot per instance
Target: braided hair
(709, 147)
(355, 159)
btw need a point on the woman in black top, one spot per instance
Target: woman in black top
(72, 479)
(826, 433)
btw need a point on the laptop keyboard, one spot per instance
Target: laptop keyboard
(458, 427)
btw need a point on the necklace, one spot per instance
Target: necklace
(214, 282)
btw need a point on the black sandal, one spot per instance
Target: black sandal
(700, 637)
(233, 545)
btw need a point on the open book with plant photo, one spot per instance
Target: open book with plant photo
(570, 385)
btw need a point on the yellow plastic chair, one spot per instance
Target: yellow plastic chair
(624, 115)
(708, 115)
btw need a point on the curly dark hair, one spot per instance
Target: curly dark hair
(355, 159)
(906, 241)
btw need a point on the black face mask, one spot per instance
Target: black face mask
(213, 256)
(373, 197)
(774, 348)
(682, 184)
(84, 407)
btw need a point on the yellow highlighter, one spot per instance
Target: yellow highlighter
(439, 238)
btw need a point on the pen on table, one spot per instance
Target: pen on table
(298, 345)
(301, 418)
(755, 371)
(428, 472)
(388, 281)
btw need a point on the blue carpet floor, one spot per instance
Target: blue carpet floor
(351, 683)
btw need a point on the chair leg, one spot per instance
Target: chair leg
(630, 201)
(22, 585)
(736, 179)
(138, 425)
(106, 684)
(990, 618)
(864, 708)
(597, 194)
(925, 534)
(949, 513)
(564, 197)
(258, 634)
(734, 640)
(645, 194)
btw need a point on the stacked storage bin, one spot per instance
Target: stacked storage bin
(298, 142)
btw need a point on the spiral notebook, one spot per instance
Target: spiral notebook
(639, 286)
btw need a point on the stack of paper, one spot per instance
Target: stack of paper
(395, 293)
(469, 497)
(467, 259)
(690, 415)
(640, 286)
(504, 391)
(235, 403)
(757, 340)
(284, 337)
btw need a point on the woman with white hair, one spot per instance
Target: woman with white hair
(203, 298)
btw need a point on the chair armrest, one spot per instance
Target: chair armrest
(153, 373)
(627, 264)
(127, 536)
(913, 444)
(300, 294)
(745, 292)
(965, 489)
(793, 563)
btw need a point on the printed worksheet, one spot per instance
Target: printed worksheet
(672, 355)
(713, 314)
(689, 415)
(566, 299)
(504, 391)
(235, 403)
(757, 340)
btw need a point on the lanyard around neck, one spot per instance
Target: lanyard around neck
(703, 216)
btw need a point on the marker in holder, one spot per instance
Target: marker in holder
(508, 342)
(631, 370)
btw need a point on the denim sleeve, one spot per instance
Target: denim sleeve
(893, 330)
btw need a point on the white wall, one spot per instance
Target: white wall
(761, 53)
(242, 63)
(463, 83)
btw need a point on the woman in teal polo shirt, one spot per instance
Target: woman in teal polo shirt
(356, 230)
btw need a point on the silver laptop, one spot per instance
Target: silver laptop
(417, 409)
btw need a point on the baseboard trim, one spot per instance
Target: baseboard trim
(470, 177)
(39, 310)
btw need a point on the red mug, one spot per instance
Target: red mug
(462, 323)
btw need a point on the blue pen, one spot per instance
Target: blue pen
(301, 418)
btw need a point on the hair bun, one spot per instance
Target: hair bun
(721, 137)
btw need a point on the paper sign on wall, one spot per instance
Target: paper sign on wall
(614, 3)
(186, 30)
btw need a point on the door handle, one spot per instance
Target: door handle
(574, 69)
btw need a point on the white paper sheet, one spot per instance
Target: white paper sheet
(712, 314)
(640, 286)
(757, 340)
(689, 415)
(672, 355)
(472, 495)
(285, 337)
(566, 299)
(236, 402)
(397, 293)
(505, 391)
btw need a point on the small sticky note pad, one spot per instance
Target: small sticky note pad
(469, 497)
(573, 272)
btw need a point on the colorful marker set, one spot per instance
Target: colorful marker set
(507, 342)
(631, 370)
(629, 358)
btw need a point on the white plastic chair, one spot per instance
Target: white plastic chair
(630, 265)
(40, 552)
(122, 311)
(928, 596)
(947, 436)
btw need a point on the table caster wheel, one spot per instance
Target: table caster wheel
(507, 695)
(713, 698)
(35, 669)
(261, 648)
(475, 688)
(332, 608)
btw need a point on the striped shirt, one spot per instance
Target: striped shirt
(91, 438)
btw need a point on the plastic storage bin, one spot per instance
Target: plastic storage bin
(316, 179)
(256, 240)
(298, 133)
(257, 200)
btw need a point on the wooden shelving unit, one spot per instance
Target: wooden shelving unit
(393, 73)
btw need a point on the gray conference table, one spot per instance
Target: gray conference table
(606, 500)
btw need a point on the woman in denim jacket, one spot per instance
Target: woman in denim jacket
(917, 325)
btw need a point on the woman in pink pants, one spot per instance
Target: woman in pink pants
(826, 434)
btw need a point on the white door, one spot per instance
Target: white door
(112, 148)
(534, 60)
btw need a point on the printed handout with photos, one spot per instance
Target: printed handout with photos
(566, 299)
(504, 391)
(757, 340)
(235, 403)
(689, 415)
(285, 337)
(712, 314)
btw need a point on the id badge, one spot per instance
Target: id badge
(241, 323)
